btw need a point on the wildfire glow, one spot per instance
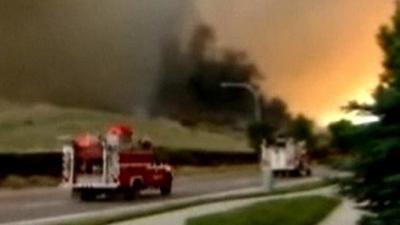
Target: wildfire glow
(316, 55)
(363, 96)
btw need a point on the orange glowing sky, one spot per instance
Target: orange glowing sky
(317, 55)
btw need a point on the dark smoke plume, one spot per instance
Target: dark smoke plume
(109, 53)
(91, 53)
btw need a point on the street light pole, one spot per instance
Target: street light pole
(267, 176)
(253, 91)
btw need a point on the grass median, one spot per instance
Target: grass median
(307, 210)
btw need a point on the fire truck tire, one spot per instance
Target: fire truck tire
(133, 192)
(296, 173)
(130, 195)
(87, 195)
(308, 172)
(166, 190)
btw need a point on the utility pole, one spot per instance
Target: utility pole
(267, 176)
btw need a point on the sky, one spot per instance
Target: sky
(316, 55)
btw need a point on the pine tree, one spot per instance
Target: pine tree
(376, 181)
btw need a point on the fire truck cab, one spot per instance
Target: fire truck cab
(111, 164)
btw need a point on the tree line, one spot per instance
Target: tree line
(375, 147)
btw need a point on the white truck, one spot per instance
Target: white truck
(286, 157)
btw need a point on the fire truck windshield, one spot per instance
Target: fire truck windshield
(89, 166)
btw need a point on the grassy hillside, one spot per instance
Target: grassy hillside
(41, 127)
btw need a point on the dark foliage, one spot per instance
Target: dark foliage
(376, 181)
(276, 113)
(342, 136)
(301, 128)
(257, 132)
(49, 164)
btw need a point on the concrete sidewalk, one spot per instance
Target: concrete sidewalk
(345, 214)
(179, 217)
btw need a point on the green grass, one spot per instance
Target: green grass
(220, 169)
(40, 127)
(308, 210)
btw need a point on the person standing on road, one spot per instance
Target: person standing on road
(265, 166)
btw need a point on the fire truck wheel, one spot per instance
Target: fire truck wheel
(130, 195)
(296, 173)
(308, 172)
(166, 190)
(87, 195)
(133, 192)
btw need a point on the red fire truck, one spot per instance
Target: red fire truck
(110, 164)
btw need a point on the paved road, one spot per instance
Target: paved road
(25, 205)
